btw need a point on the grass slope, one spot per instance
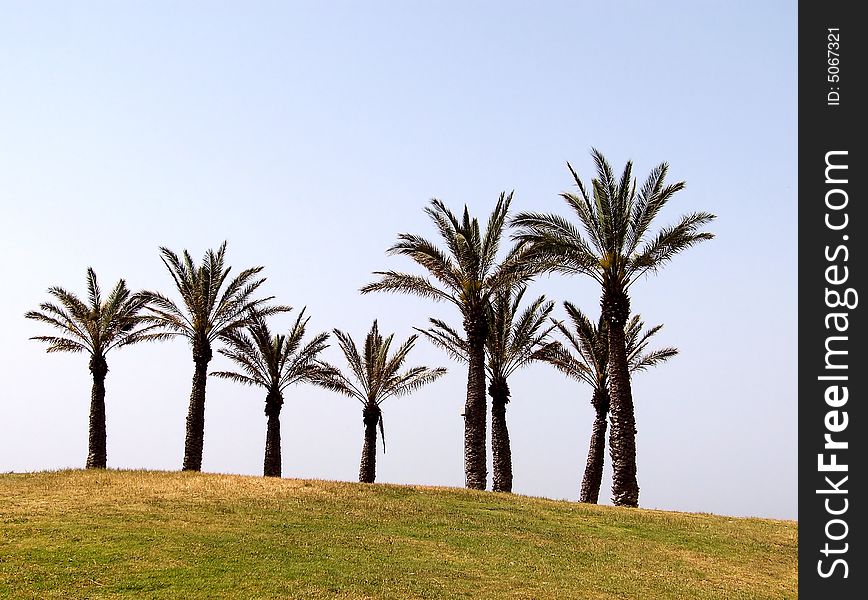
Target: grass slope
(109, 534)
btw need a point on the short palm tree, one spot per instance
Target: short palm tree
(468, 275)
(210, 308)
(615, 250)
(94, 326)
(513, 341)
(586, 358)
(376, 376)
(273, 362)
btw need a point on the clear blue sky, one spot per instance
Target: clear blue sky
(309, 134)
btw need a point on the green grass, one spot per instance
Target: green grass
(111, 534)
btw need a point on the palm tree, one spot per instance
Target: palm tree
(513, 341)
(376, 376)
(273, 362)
(590, 364)
(615, 250)
(210, 309)
(95, 326)
(467, 275)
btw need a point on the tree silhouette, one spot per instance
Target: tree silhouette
(615, 250)
(94, 326)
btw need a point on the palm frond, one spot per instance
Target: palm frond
(446, 338)
(299, 364)
(564, 361)
(304, 366)
(516, 269)
(237, 292)
(60, 319)
(426, 254)
(375, 369)
(165, 312)
(330, 378)
(590, 340)
(354, 360)
(77, 309)
(625, 191)
(553, 249)
(604, 197)
(244, 352)
(391, 365)
(234, 311)
(183, 275)
(647, 204)
(637, 337)
(61, 344)
(447, 225)
(668, 242)
(216, 276)
(528, 333)
(411, 381)
(585, 357)
(494, 232)
(147, 334)
(653, 358)
(585, 208)
(93, 290)
(236, 377)
(405, 283)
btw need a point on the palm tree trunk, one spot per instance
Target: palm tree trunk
(475, 470)
(195, 437)
(96, 443)
(371, 416)
(273, 404)
(500, 448)
(593, 478)
(622, 439)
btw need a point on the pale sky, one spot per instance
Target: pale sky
(309, 134)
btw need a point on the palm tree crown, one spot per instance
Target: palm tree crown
(272, 361)
(210, 306)
(95, 326)
(587, 357)
(615, 249)
(377, 375)
(468, 274)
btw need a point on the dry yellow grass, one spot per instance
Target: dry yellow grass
(112, 534)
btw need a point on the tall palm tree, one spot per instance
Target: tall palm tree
(210, 308)
(376, 376)
(586, 358)
(615, 250)
(94, 326)
(513, 341)
(273, 362)
(466, 274)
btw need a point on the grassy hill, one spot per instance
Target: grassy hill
(76, 534)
